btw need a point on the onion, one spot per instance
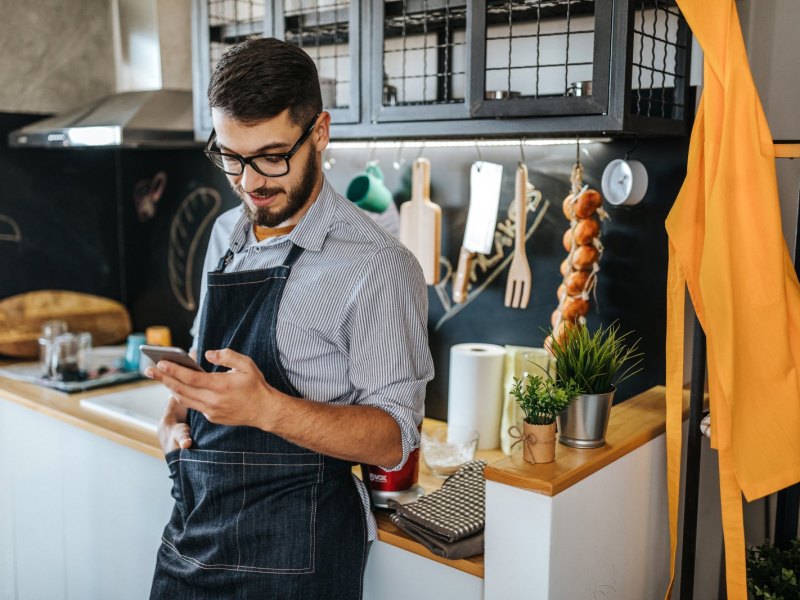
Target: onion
(593, 197)
(569, 208)
(567, 240)
(574, 308)
(584, 257)
(548, 344)
(562, 329)
(575, 283)
(587, 203)
(566, 267)
(585, 231)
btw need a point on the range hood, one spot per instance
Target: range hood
(154, 118)
(152, 47)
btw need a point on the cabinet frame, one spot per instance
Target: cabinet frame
(608, 112)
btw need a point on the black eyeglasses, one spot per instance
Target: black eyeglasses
(269, 165)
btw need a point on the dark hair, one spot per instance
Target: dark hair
(260, 78)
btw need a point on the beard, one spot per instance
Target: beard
(296, 197)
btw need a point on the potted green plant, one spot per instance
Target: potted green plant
(541, 400)
(774, 573)
(597, 362)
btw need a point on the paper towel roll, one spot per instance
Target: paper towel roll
(476, 389)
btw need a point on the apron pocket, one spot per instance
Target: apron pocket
(174, 464)
(250, 511)
(277, 521)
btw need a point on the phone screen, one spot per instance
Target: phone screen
(170, 353)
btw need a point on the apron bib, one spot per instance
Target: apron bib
(256, 516)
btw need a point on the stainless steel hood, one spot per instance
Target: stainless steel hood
(152, 50)
(154, 118)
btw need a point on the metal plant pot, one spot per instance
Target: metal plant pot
(583, 424)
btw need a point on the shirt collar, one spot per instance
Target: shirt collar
(310, 232)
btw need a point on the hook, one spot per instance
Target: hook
(399, 161)
(478, 149)
(523, 160)
(578, 150)
(635, 144)
(421, 148)
(372, 150)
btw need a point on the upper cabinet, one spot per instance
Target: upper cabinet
(428, 68)
(328, 30)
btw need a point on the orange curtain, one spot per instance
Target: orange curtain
(727, 247)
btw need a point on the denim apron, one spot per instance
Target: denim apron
(256, 516)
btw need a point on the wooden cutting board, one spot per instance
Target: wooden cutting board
(421, 222)
(21, 319)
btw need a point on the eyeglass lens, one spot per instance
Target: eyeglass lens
(267, 165)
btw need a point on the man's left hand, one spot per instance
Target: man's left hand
(240, 396)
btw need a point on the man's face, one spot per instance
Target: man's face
(274, 201)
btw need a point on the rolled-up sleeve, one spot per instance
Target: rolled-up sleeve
(385, 323)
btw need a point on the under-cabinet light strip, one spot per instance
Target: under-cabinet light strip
(483, 143)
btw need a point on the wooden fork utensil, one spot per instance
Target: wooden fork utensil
(518, 287)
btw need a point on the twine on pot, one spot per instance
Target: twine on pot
(527, 438)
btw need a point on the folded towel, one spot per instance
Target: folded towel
(463, 548)
(450, 521)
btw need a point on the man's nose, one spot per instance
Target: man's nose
(251, 180)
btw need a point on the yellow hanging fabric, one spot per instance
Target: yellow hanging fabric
(726, 244)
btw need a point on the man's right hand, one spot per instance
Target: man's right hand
(173, 429)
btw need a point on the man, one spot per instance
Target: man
(312, 330)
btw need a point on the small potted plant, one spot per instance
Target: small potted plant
(597, 362)
(773, 572)
(541, 400)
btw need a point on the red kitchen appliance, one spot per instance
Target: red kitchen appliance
(400, 486)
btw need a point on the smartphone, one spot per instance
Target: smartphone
(177, 355)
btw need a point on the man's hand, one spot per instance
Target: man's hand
(173, 430)
(240, 396)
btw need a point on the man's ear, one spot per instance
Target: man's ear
(322, 132)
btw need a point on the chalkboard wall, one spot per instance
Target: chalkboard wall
(134, 225)
(58, 218)
(632, 280)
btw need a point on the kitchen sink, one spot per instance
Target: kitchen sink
(141, 406)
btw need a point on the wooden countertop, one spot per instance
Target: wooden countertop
(67, 408)
(633, 423)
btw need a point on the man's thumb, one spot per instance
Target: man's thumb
(182, 435)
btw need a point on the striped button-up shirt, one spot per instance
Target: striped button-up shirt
(352, 323)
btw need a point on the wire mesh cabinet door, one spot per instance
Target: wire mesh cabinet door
(536, 58)
(218, 25)
(328, 30)
(658, 66)
(588, 65)
(420, 60)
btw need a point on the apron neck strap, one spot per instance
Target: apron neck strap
(293, 255)
(223, 262)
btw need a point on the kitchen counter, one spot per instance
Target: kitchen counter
(634, 423)
(67, 408)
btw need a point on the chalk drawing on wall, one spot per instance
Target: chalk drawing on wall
(194, 215)
(489, 265)
(9, 230)
(147, 193)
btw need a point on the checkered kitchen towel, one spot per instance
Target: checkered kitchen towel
(449, 522)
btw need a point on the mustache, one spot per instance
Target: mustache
(262, 191)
